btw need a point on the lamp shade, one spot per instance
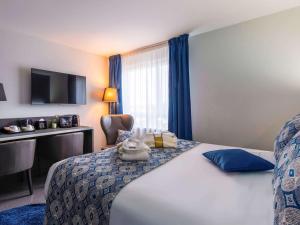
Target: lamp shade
(110, 95)
(2, 93)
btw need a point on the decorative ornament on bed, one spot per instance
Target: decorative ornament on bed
(287, 174)
(82, 188)
(137, 145)
(152, 138)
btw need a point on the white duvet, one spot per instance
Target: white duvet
(190, 190)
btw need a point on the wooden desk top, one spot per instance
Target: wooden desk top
(40, 133)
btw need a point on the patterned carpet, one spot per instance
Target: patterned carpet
(25, 215)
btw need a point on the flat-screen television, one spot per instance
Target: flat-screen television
(49, 87)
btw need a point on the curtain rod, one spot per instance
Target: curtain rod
(145, 48)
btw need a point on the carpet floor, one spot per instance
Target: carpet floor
(25, 215)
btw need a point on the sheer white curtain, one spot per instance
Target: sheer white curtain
(145, 85)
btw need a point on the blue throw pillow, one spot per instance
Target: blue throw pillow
(238, 160)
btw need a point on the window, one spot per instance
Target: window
(145, 81)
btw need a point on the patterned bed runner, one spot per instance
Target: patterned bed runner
(83, 188)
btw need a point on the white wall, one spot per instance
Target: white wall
(18, 53)
(245, 80)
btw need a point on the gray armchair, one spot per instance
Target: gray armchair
(16, 157)
(112, 123)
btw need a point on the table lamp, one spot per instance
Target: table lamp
(2, 93)
(111, 96)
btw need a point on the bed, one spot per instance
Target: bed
(191, 190)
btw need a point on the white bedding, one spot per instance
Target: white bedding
(189, 190)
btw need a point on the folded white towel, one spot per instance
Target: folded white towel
(143, 156)
(133, 149)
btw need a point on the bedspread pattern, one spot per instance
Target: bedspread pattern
(83, 188)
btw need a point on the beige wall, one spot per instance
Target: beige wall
(18, 53)
(245, 80)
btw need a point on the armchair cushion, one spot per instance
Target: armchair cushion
(123, 135)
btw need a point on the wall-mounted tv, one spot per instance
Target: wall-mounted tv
(49, 87)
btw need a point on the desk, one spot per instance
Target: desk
(88, 145)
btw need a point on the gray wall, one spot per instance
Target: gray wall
(18, 53)
(245, 80)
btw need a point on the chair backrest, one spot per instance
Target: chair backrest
(112, 123)
(62, 146)
(16, 156)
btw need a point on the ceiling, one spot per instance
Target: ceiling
(107, 27)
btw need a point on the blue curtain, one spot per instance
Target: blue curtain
(179, 88)
(115, 81)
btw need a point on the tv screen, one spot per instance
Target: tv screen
(49, 87)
